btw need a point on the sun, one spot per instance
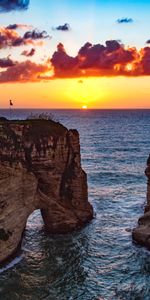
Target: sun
(84, 107)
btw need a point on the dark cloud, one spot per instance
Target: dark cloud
(6, 62)
(35, 35)
(12, 26)
(113, 45)
(125, 20)
(101, 57)
(145, 60)
(65, 27)
(148, 42)
(9, 5)
(10, 37)
(23, 72)
(16, 26)
(28, 53)
(18, 42)
(112, 59)
(63, 63)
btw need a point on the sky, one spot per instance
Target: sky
(70, 54)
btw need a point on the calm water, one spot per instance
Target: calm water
(100, 261)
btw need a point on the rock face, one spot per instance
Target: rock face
(141, 234)
(40, 168)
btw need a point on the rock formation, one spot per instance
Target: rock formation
(40, 168)
(141, 234)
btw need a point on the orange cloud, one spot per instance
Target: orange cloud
(23, 72)
(10, 37)
(113, 59)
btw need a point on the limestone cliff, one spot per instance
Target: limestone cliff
(40, 168)
(141, 234)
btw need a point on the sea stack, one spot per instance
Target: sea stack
(40, 168)
(141, 234)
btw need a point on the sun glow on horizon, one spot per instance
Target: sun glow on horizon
(86, 91)
(95, 93)
(84, 107)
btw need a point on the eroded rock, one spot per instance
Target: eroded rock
(141, 234)
(40, 168)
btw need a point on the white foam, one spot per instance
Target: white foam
(59, 260)
(11, 264)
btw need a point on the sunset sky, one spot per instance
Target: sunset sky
(67, 54)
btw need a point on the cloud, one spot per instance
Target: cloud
(6, 62)
(18, 26)
(65, 27)
(111, 59)
(28, 53)
(63, 63)
(7, 37)
(148, 42)
(35, 35)
(9, 5)
(11, 38)
(23, 72)
(112, 45)
(145, 60)
(125, 20)
(91, 60)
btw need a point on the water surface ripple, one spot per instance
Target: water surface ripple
(100, 261)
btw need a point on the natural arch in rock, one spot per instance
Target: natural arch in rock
(40, 168)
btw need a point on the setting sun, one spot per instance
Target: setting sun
(84, 107)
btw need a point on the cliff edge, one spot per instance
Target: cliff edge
(141, 234)
(40, 168)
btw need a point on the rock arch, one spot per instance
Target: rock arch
(40, 168)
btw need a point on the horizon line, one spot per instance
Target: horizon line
(38, 108)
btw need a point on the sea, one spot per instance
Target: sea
(99, 262)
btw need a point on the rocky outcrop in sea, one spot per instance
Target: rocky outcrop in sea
(141, 234)
(40, 168)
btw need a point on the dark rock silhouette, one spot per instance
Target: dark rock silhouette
(40, 168)
(141, 234)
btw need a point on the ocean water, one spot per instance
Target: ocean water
(99, 262)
